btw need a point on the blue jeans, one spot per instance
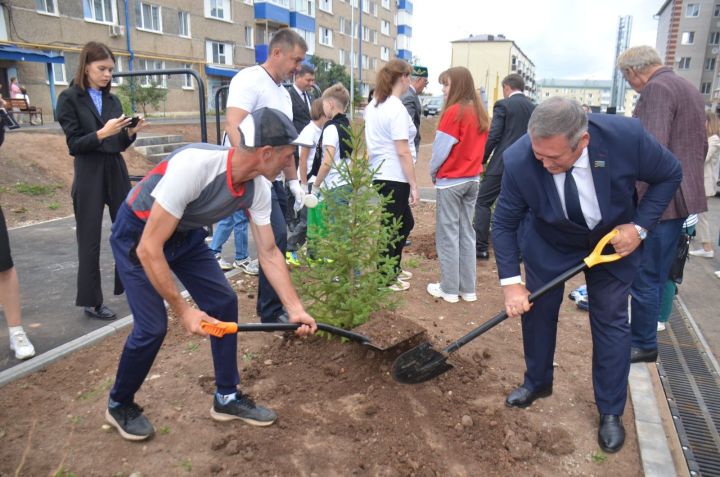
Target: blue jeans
(237, 222)
(658, 252)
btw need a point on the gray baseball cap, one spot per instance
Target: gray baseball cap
(268, 127)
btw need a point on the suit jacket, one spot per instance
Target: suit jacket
(621, 152)
(412, 103)
(301, 110)
(673, 110)
(509, 123)
(80, 121)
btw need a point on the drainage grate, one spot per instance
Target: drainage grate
(692, 388)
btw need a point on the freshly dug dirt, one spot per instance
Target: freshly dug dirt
(387, 329)
(340, 411)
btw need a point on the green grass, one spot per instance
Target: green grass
(598, 457)
(164, 430)
(411, 263)
(193, 346)
(35, 189)
(53, 206)
(101, 388)
(186, 465)
(248, 356)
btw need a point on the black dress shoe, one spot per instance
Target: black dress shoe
(523, 397)
(483, 255)
(611, 433)
(100, 312)
(638, 355)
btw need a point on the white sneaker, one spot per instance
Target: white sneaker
(661, 326)
(717, 274)
(248, 266)
(223, 264)
(435, 290)
(469, 296)
(399, 285)
(702, 253)
(22, 346)
(405, 275)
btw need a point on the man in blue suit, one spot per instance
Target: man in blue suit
(570, 181)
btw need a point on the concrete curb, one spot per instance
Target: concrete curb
(41, 361)
(655, 453)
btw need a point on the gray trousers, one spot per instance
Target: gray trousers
(455, 237)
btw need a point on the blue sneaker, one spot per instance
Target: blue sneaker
(243, 408)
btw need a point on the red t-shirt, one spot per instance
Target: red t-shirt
(465, 159)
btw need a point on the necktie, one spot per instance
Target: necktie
(307, 103)
(572, 200)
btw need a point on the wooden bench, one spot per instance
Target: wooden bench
(19, 107)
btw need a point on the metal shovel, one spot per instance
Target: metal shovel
(423, 362)
(223, 328)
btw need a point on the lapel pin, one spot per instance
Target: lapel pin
(599, 163)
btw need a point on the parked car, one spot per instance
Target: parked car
(433, 106)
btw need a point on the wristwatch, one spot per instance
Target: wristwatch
(642, 232)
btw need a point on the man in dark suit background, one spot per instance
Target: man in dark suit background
(411, 100)
(570, 181)
(301, 97)
(509, 122)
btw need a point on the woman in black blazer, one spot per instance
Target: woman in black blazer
(97, 132)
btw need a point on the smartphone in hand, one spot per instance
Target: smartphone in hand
(134, 121)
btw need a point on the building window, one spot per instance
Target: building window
(184, 22)
(149, 17)
(385, 53)
(341, 25)
(373, 9)
(706, 88)
(688, 38)
(150, 65)
(280, 3)
(365, 33)
(364, 60)
(102, 11)
(373, 64)
(374, 36)
(219, 9)
(714, 37)
(710, 64)
(692, 10)
(325, 5)
(341, 57)
(306, 7)
(386, 4)
(716, 13)
(46, 6)
(326, 36)
(219, 53)
(309, 37)
(249, 37)
(187, 79)
(58, 72)
(118, 69)
(684, 63)
(385, 27)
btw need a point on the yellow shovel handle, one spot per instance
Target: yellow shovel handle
(597, 257)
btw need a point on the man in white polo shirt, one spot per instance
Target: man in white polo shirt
(258, 87)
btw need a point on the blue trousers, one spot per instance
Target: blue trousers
(610, 337)
(268, 302)
(195, 266)
(658, 253)
(238, 224)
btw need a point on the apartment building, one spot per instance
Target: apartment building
(40, 40)
(594, 93)
(688, 39)
(490, 58)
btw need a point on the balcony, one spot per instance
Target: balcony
(404, 55)
(271, 13)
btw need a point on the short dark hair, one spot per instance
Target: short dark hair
(287, 38)
(514, 81)
(306, 69)
(91, 52)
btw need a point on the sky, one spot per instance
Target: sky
(568, 39)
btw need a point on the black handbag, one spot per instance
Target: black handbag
(681, 256)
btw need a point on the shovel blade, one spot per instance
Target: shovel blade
(420, 364)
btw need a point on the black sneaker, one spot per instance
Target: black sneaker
(243, 408)
(129, 421)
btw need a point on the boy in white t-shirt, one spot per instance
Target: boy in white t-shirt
(335, 138)
(309, 135)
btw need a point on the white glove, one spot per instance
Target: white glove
(298, 193)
